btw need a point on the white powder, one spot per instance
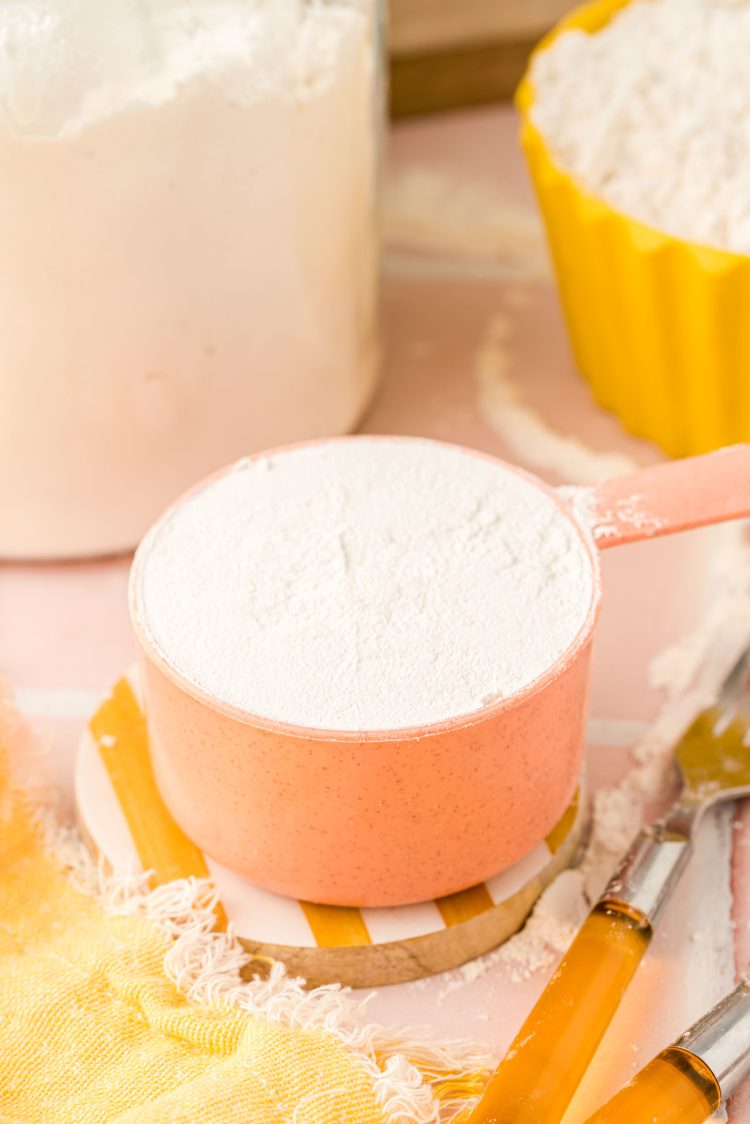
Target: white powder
(466, 229)
(525, 432)
(607, 520)
(70, 64)
(189, 262)
(364, 584)
(653, 114)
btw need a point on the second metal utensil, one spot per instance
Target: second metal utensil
(693, 1077)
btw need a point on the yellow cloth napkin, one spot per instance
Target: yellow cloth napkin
(92, 1029)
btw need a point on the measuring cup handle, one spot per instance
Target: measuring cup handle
(666, 498)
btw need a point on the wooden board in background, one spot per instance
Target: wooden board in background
(418, 26)
(451, 53)
(434, 83)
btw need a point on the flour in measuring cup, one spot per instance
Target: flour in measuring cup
(652, 111)
(364, 584)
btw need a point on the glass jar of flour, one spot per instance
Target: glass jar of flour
(189, 265)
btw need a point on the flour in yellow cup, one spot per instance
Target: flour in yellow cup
(654, 302)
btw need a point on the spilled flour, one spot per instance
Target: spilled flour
(438, 226)
(606, 522)
(525, 432)
(461, 224)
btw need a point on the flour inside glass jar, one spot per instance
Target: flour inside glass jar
(189, 249)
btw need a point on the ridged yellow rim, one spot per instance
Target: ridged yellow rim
(591, 18)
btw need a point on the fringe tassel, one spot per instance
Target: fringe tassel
(415, 1080)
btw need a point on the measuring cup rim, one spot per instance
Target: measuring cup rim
(151, 650)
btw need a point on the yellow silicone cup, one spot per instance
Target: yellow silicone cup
(660, 327)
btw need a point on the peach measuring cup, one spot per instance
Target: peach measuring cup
(382, 818)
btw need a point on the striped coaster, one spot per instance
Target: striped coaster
(125, 820)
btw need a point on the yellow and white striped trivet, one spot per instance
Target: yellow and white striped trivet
(125, 820)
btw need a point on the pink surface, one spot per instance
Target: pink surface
(64, 634)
